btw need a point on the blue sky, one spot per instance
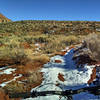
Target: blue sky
(51, 9)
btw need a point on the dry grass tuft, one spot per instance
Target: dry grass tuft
(15, 55)
(93, 44)
(41, 59)
(14, 87)
(35, 77)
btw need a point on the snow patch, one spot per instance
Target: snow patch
(2, 68)
(74, 77)
(37, 44)
(8, 71)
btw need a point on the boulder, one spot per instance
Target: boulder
(82, 55)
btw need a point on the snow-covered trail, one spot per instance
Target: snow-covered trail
(73, 78)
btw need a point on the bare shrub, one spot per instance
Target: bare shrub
(93, 44)
(14, 55)
(35, 77)
(41, 59)
(14, 87)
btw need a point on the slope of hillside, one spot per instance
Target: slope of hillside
(51, 27)
(4, 19)
(25, 46)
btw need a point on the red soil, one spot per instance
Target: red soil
(24, 70)
(62, 53)
(25, 45)
(6, 62)
(5, 77)
(71, 47)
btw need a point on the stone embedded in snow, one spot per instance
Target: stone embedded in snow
(57, 58)
(61, 77)
(58, 61)
(93, 76)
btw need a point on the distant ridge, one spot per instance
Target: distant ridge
(3, 19)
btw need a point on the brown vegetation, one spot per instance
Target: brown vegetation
(31, 75)
(93, 44)
(3, 96)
